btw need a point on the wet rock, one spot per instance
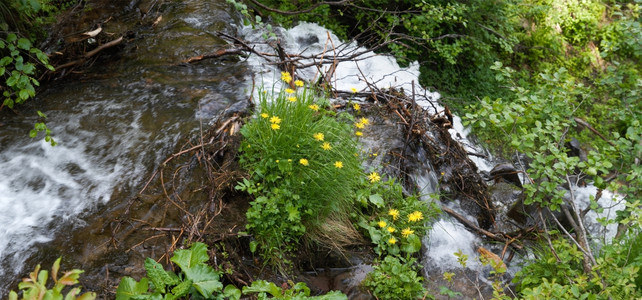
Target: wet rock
(507, 172)
(307, 40)
(575, 149)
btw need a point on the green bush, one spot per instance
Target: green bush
(395, 278)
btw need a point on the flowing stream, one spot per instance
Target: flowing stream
(114, 125)
(119, 121)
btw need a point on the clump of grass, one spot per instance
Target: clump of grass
(303, 166)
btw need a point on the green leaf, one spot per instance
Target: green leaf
(87, 296)
(231, 292)
(333, 295)
(129, 288)
(262, 286)
(412, 244)
(197, 254)
(24, 43)
(377, 200)
(204, 278)
(158, 276)
(182, 288)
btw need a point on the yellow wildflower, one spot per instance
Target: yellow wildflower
(391, 229)
(318, 136)
(415, 216)
(304, 161)
(313, 107)
(275, 120)
(298, 83)
(292, 99)
(338, 164)
(326, 146)
(359, 125)
(364, 121)
(356, 106)
(275, 126)
(406, 232)
(354, 91)
(392, 241)
(359, 133)
(393, 213)
(374, 177)
(285, 76)
(264, 115)
(382, 224)
(289, 91)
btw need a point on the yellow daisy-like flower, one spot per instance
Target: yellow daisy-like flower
(313, 107)
(338, 164)
(359, 133)
(392, 241)
(285, 76)
(318, 136)
(292, 99)
(275, 126)
(264, 115)
(382, 224)
(374, 177)
(359, 125)
(364, 121)
(298, 83)
(289, 91)
(393, 213)
(415, 216)
(356, 106)
(275, 120)
(406, 232)
(391, 229)
(326, 146)
(354, 91)
(304, 161)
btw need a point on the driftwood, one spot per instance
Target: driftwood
(90, 54)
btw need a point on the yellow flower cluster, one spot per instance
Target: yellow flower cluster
(304, 162)
(318, 136)
(326, 146)
(313, 107)
(285, 76)
(415, 216)
(338, 164)
(274, 121)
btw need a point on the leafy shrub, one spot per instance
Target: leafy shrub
(395, 278)
(303, 166)
(197, 279)
(399, 222)
(35, 287)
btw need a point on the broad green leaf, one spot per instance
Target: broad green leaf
(182, 288)
(377, 200)
(262, 286)
(129, 288)
(13, 295)
(55, 268)
(231, 292)
(158, 276)
(333, 295)
(197, 254)
(24, 43)
(204, 278)
(412, 244)
(70, 277)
